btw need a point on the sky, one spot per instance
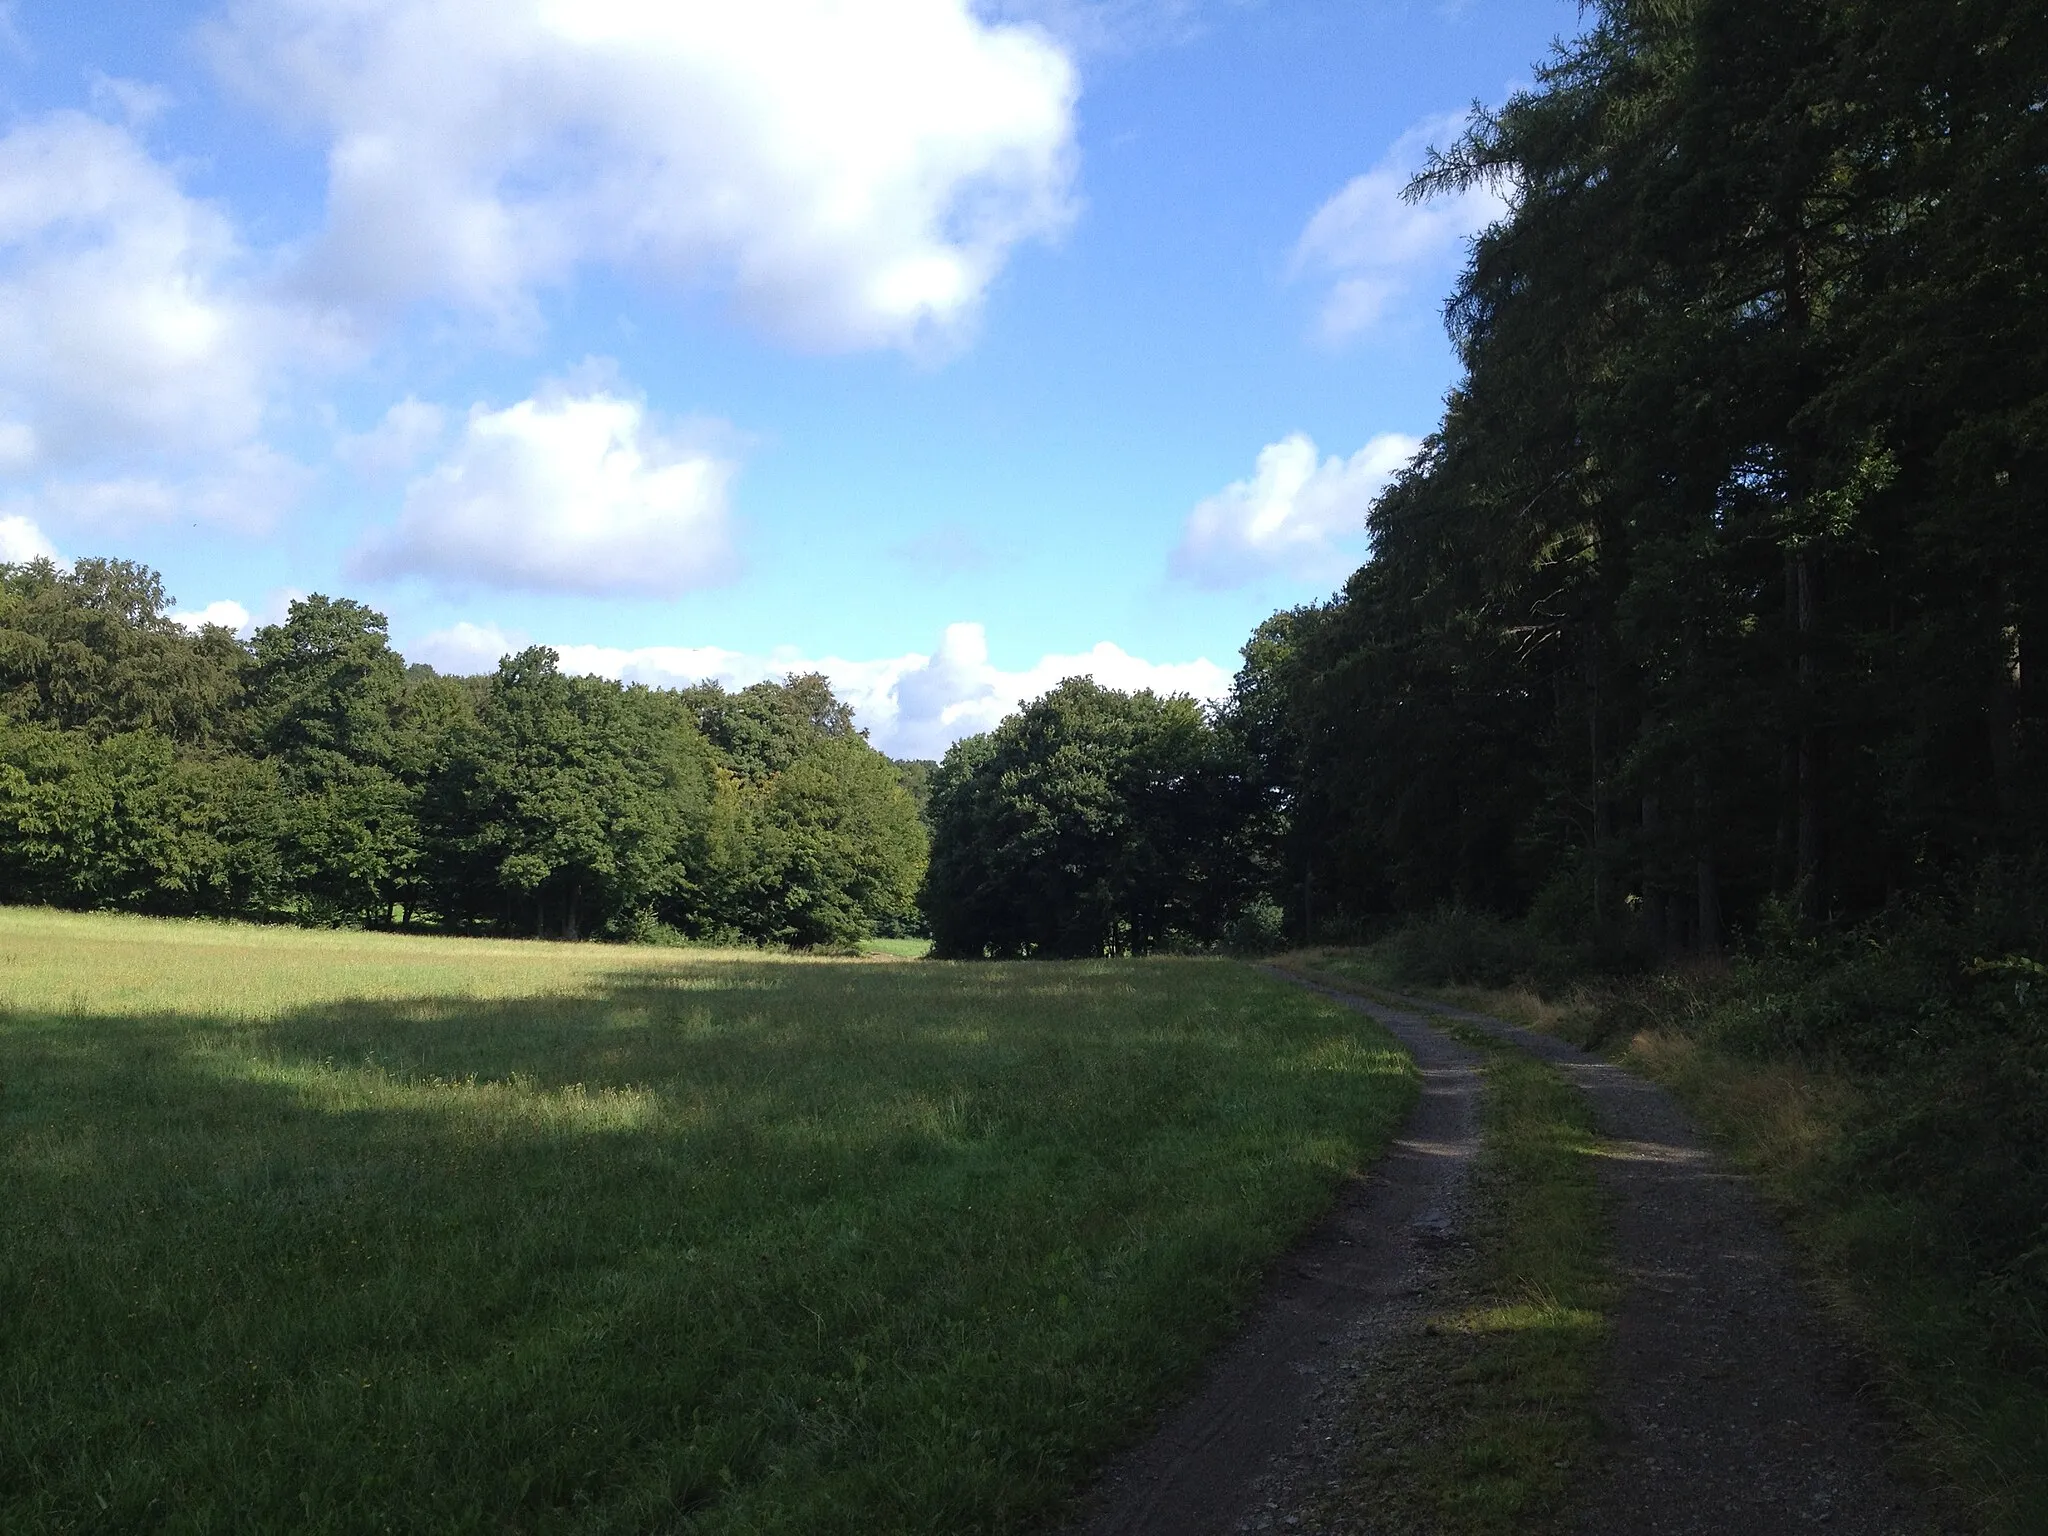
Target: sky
(950, 348)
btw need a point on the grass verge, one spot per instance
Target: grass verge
(335, 1232)
(1480, 1425)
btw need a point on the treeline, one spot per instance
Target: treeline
(1092, 822)
(311, 775)
(1724, 581)
(1721, 591)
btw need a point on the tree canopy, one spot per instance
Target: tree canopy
(312, 775)
(1092, 822)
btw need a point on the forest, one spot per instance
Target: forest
(1696, 683)
(310, 775)
(1720, 593)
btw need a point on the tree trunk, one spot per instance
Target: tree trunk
(1654, 915)
(2004, 708)
(1707, 920)
(1598, 789)
(1812, 747)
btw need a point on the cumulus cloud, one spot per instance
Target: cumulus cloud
(1297, 514)
(913, 705)
(1371, 246)
(137, 355)
(856, 173)
(564, 493)
(918, 705)
(22, 541)
(227, 613)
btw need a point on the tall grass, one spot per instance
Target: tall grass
(343, 1232)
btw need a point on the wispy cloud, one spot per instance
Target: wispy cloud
(1372, 248)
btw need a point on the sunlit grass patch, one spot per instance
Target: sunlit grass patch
(340, 1232)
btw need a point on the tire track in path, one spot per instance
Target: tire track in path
(1730, 1406)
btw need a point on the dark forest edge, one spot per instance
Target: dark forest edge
(1698, 669)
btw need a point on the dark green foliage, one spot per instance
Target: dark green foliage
(835, 849)
(1940, 1008)
(1712, 617)
(92, 649)
(1093, 822)
(761, 730)
(313, 775)
(129, 822)
(1453, 946)
(1722, 579)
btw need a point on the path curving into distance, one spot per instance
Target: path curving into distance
(1730, 1406)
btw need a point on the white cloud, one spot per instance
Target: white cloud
(914, 705)
(246, 488)
(22, 541)
(564, 493)
(856, 173)
(464, 649)
(1371, 246)
(227, 613)
(137, 102)
(1297, 513)
(407, 432)
(137, 355)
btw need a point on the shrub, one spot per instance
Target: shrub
(1455, 946)
(1259, 928)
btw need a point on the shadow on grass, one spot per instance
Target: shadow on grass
(772, 1247)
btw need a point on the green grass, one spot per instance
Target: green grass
(1521, 1360)
(343, 1232)
(898, 949)
(1479, 1427)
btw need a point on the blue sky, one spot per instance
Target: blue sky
(951, 347)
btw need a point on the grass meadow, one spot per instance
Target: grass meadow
(343, 1232)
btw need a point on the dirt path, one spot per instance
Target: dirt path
(1730, 1405)
(1268, 1413)
(1730, 1408)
